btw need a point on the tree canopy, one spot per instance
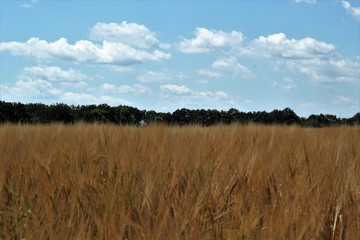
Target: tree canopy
(37, 113)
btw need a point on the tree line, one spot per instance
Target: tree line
(38, 113)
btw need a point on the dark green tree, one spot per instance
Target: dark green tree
(61, 112)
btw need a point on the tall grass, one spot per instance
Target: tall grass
(222, 182)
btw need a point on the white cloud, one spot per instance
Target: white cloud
(53, 73)
(83, 51)
(67, 78)
(50, 84)
(231, 65)
(203, 81)
(165, 45)
(286, 85)
(306, 105)
(177, 89)
(184, 94)
(205, 40)
(29, 4)
(214, 95)
(27, 88)
(305, 1)
(36, 87)
(131, 34)
(194, 99)
(120, 54)
(80, 84)
(354, 11)
(160, 76)
(279, 45)
(88, 98)
(317, 60)
(226, 65)
(326, 70)
(120, 69)
(108, 87)
(114, 101)
(152, 76)
(135, 88)
(209, 73)
(38, 81)
(343, 100)
(78, 97)
(45, 83)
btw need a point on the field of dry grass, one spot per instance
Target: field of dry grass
(222, 182)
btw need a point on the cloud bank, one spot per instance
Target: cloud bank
(122, 44)
(316, 60)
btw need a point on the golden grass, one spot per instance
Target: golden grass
(222, 182)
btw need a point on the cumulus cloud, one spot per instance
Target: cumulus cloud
(231, 65)
(83, 51)
(27, 88)
(326, 70)
(187, 94)
(317, 60)
(205, 40)
(279, 45)
(121, 45)
(354, 11)
(227, 65)
(41, 78)
(177, 89)
(44, 82)
(67, 78)
(53, 73)
(36, 87)
(131, 34)
(51, 84)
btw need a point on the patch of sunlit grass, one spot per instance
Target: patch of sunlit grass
(223, 182)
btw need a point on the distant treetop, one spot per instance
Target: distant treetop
(37, 113)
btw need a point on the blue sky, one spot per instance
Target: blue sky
(164, 55)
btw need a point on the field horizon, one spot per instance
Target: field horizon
(103, 181)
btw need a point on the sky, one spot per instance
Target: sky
(165, 55)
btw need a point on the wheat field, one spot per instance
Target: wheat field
(165, 182)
